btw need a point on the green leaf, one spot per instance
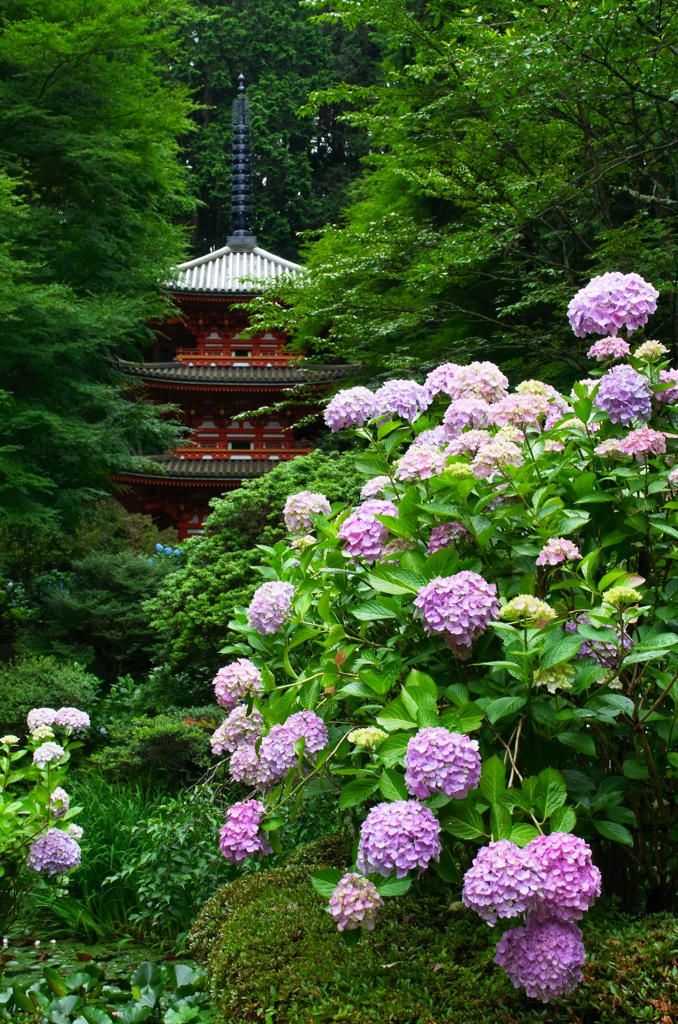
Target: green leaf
(634, 769)
(562, 650)
(392, 785)
(580, 741)
(372, 611)
(502, 707)
(614, 831)
(134, 1013)
(393, 886)
(392, 750)
(464, 822)
(500, 822)
(563, 819)
(493, 779)
(93, 1015)
(466, 718)
(395, 581)
(357, 791)
(551, 792)
(396, 716)
(55, 982)
(351, 936)
(326, 880)
(521, 835)
(421, 681)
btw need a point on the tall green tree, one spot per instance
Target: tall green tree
(516, 151)
(90, 182)
(302, 164)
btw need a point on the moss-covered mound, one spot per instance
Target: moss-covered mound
(274, 956)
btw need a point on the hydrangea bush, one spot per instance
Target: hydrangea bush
(496, 706)
(37, 833)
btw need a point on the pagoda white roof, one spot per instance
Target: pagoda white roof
(232, 271)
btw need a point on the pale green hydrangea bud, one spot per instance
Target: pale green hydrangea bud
(300, 543)
(526, 608)
(368, 737)
(621, 596)
(559, 677)
(459, 470)
(650, 351)
(42, 732)
(9, 740)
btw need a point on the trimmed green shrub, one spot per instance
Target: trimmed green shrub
(193, 607)
(166, 747)
(27, 683)
(272, 953)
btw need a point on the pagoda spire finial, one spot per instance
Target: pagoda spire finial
(242, 238)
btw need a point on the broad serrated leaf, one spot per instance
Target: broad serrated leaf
(357, 791)
(493, 779)
(580, 741)
(502, 707)
(612, 830)
(563, 819)
(551, 792)
(392, 785)
(326, 880)
(521, 835)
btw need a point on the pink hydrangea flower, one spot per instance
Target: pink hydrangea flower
(40, 716)
(461, 605)
(72, 718)
(557, 550)
(400, 837)
(300, 507)
(609, 348)
(445, 535)
(363, 535)
(436, 435)
(54, 853)
(46, 753)
(270, 607)
(543, 957)
(611, 301)
(521, 409)
(238, 729)
(355, 903)
(624, 395)
(59, 802)
(350, 408)
(494, 457)
(478, 380)
(669, 396)
(643, 442)
(376, 486)
(244, 765)
(503, 881)
(570, 880)
(421, 462)
(403, 398)
(466, 412)
(438, 761)
(469, 442)
(240, 837)
(276, 751)
(235, 681)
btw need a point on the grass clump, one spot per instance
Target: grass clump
(273, 954)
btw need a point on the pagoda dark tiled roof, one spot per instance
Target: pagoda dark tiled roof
(174, 468)
(182, 373)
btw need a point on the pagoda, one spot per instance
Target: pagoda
(202, 364)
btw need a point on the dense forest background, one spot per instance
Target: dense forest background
(449, 175)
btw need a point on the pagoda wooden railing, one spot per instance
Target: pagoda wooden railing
(285, 452)
(188, 355)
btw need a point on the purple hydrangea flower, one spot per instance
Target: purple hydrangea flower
(40, 716)
(377, 485)
(350, 408)
(521, 409)
(557, 550)
(244, 765)
(469, 442)
(276, 752)
(398, 836)
(54, 853)
(59, 802)
(300, 507)
(461, 605)
(570, 880)
(624, 395)
(668, 396)
(270, 606)
(72, 718)
(495, 456)
(503, 881)
(421, 462)
(238, 729)
(438, 761)
(466, 412)
(445, 535)
(46, 753)
(404, 398)
(240, 837)
(611, 301)
(544, 957)
(363, 535)
(234, 681)
(74, 830)
(355, 903)
(478, 380)
(439, 380)
(435, 435)
(609, 348)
